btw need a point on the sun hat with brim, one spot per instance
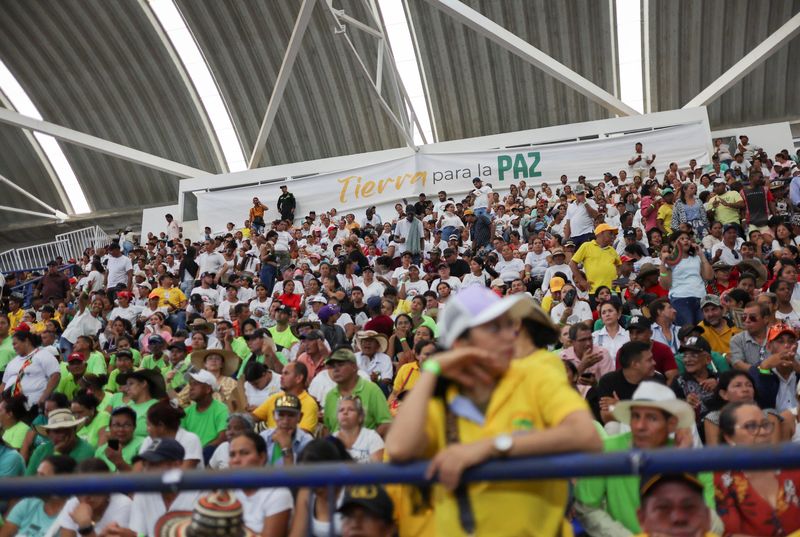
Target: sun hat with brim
(475, 306)
(217, 513)
(645, 270)
(154, 380)
(199, 325)
(372, 334)
(756, 268)
(654, 395)
(59, 419)
(230, 360)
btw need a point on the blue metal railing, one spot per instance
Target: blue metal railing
(325, 475)
(26, 288)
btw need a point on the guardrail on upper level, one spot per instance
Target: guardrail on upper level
(70, 245)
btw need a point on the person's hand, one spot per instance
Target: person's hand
(777, 359)
(591, 358)
(709, 385)
(282, 438)
(115, 530)
(114, 455)
(684, 438)
(374, 376)
(693, 400)
(718, 254)
(82, 515)
(450, 463)
(468, 366)
(567, 313)
(606, 403)
(170, 375)
(587, 379)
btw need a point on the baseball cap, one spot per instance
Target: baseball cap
(468, 212)
(341, 355)
(156, 339)
(556, 251)
(639, 322)
(666, 191)
(719, 181)
(580, 189)
(453, 237)
(318, 299)
(328, 311)
(203, 377)
(284, 309)
(557, 284)
(604, 227)
(176, 344)
(76, 357)
(162, 449)
(629, 233)
(648, 486)
(696, 343)
(626, 259)
(153, 294)
(475, 306)
(497, 282)
(373, 498)
(721, 265)
(710, 300)
(778, 329)
(313, 335)
(287, 402)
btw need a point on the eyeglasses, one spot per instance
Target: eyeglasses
(753, 427)
(750, 317)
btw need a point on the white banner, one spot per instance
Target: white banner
(390, 182)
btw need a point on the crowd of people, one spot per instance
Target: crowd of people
(655, 307)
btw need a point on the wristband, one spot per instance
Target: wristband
(664, 274)
(432, 366)
(402, 339)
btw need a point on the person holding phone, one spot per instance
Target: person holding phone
(592, 361)
(123, 445)
(570, 310)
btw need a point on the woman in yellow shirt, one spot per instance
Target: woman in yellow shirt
(408, 374)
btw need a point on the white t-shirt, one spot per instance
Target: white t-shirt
(580, 223)
(264, 503)
(221, 458)
(580, 312)
(471, 279)
(84, 324)
(118, 510)
(210, 296)
(191, 446)
(255, 396)
(481, 197)
(452, 281)
(381, 363)
(413, 289)
(367, 443)
(34, 380)
(148, 507)
(117, 268)
(130, 313)
(509, 270)
(537, 262)
(376, 288)
(730, 256)
(257, 306)
(210, 262)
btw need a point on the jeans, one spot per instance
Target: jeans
(481, 210)
(447, 231)
(580, 239)
(687, 310)
(177, 320)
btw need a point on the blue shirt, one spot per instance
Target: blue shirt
(11, 462)
(794, 190)
(686, 279)
(300, 441)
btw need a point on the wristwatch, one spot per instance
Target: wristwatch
(286, 451)
(86, 530)
(503, 444)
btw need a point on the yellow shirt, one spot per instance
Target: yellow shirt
(406, 377)
(726, 215)
(599, 264)
(413, 516)
(15, 318)
(720, 342)
(532, 395)
(665, 215)
(308, 406)
(172, 296)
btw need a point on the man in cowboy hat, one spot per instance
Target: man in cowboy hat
(294, 380)
(608, 505)
(61, 432)
(372, 359)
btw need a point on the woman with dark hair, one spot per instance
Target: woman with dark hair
(94, 281)
(401, 343)
(313, 515)
(122, 445)
(188, 270)
(164, 421)
(690, 210)
(266, 511)
(786, 311)
(91, 514)
(655, 240)
(36, 515)
(783, 236)
(762, 502)
(85, 405)
(611, 336)
(477, 275)
(34, 372)
(684, 272)
(16, 433)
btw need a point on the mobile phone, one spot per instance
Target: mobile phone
(114, 444)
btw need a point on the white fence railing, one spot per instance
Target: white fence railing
(67, 245)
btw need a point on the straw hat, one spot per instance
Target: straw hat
(218, 514)
(372, 334)
(59, 419)
(200, 325)
(655, 395)
(230, 360)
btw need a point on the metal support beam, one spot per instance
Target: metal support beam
(30, 196)
(521, 48)
(34, 213)
(88, 141)
(772, 44)
(358, 24)
(300, 25)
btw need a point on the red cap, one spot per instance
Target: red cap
(76, 356)
(626, 258)
(23, 327)
(778, 329)
(126, 294)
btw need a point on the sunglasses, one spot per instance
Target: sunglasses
(751, 317)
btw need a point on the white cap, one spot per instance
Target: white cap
(204, 377)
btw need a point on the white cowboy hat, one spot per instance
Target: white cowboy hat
(655, 395)
(372, 334)
(59, 419)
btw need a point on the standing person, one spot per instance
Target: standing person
(119, 270)
(759, 203)
(599, 258)
(409, 236)
(684, 272)
(286, 204)
(173, 229)
(639, 163)
(256, 216)
(535, 403)
(580, 218)
(689, 210)
(481, 193)
(54, 285)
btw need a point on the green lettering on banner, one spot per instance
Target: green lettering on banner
(521, 167)
(503, 165)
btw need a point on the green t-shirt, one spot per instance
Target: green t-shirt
(15, 436)
(112, 386)
(620, 494)
(96, 364)
(128, 452)
(80, 452)
(179, 380)
(376, 409)
(67, 385)
(141, 414)
(30, 518)
(284, 339)
(90, 430)
(719, 362)
(207, 424)
(260, 359)
(137, 359)
(7, 352)
(150, 362)
(239, 346)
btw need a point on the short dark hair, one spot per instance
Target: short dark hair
(578, 327)
(631, 352)
(727, 420)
